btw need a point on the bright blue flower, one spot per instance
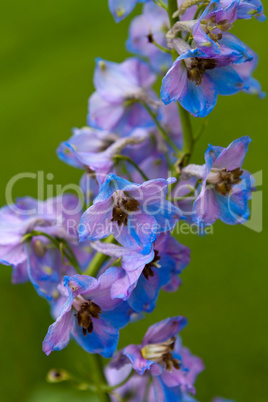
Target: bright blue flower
(89, 315)
(134, 213)
(226, 189)
(195, 80)
(142, 276)
(115, 106)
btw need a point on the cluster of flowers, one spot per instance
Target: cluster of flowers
(94, 286)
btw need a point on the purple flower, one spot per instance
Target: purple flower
(94, 150)
(140, 277)
(146, 28)
(121, 8)
(195, 79)
(115, 105)
(37, 258)
(134, 213)
(172, 367)
(89, 315)
(57, 217)
(226, 189)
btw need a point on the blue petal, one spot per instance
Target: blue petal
(226, 80)
(164, 393)
(102, 340)
(121, 8)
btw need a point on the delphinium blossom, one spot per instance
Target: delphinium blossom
(102, 265)
(145, 31)
(120, 88)
(140, 277)
(134, 213)
(29, 232)
(226, 189)
(89, 315)
(172, 367)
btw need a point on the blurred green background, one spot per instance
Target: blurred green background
(47, 61)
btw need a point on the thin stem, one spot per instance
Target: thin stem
(97, 260)
(188, 140)
(172, 7)
(164, 49)
(184, 115)
(202, 128)
(161, 129)
(129, 160)
(98, 377)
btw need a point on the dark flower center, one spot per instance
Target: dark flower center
(161, 353)
(88, 310)
(123, 207)
(227, 179)
(198, 67)
(148, 269)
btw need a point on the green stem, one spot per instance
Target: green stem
(160, 128)
(97, 260)
(188, 141)
(98, 377)
(164, 49)
(129, 160)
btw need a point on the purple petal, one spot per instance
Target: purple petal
(133, 352)
(96, 221)
(59, 333)
(163, 330)
(206, 209)
(233, 156)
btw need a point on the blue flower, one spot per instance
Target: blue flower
(195, 80)
(142, 276)
(226, 189)
(172, 367)
(115, 105)
(89, 315)
(134, 213)
(94, 150)
(150, 26)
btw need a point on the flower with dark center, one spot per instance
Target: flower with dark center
(227, 180)
(198, 67)
(94, 324)
(88, 310)
(135, 214)
(123, 207)
(141, 276)
(148, 271)
(226, 189)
